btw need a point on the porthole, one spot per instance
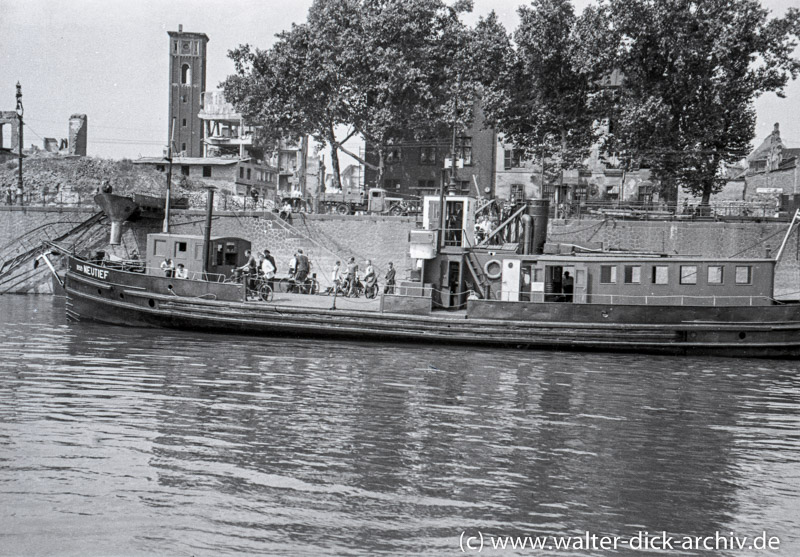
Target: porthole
(99, 292)
(742, 335)
(151, 302)
(122, 295)
(169, 287)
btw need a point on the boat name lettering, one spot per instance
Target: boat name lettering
(93, 271)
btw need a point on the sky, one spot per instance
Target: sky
(109, 59)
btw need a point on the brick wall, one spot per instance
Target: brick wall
(326, 238)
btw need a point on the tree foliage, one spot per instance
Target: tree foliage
(387, 70)
(692, 70)
(541, 99)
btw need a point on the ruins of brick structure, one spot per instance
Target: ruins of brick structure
(9, 134)
(78, 134)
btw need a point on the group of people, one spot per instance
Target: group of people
(350, 285)
(171, 271)
(263, 264)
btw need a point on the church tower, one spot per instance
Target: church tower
(187, 83)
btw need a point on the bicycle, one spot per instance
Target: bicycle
(257, 287)
(290, 285)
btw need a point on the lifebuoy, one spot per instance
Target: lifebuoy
(490, 274)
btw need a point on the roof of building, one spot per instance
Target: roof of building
(197, 161)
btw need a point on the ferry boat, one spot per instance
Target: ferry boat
(512, 289)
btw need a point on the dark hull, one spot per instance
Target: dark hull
(123, 298)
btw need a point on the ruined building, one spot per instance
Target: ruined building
(78, 134)
(187, 75)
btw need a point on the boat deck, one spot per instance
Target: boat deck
(317, 301)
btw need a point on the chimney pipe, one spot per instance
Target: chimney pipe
(539, 209)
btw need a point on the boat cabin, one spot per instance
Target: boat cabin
(225, 254)
(458, 273)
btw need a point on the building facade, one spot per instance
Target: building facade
(419, 168)
(187, 79)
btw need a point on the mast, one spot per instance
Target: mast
(207, 231)
(165, 228)
(20, 111)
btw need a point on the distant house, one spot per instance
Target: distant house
(419, 168)
(773, 168)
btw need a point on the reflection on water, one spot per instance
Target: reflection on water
(141, 442)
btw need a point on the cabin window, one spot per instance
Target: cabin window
(633, 274)
(160, 248)
(184, 168)
(206, 172)
(608, 274)
(660, 274)
(744, 274)
(220, 254)
(715, 274)
(249, 173)
(688, 274)
(538, 275)
(180, 248)
(241, 172)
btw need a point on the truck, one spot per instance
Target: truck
(374, 200)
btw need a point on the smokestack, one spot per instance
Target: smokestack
(539, 210)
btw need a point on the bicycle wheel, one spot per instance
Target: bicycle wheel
(265, 292)
(285, 285)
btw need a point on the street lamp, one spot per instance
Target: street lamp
(20, 112)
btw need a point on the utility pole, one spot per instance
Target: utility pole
(20, 112)
(165, 228)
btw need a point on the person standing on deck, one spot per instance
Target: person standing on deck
(303, 266)
(390, 274)
(568, 286)
(352, 279)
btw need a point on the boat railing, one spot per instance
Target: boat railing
(628, 299)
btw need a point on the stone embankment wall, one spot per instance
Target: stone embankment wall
(706, 239)
(326, 238)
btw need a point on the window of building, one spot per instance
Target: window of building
(633, 274)
(427, 155)
(391, 184)
(512, 158)
(393, 155)
(464, 150)
(185, 98)
(688, 274)
(426, 184)
(608, 274)
(714, 274)
(183, 122)
(206, 172)
(183, 146)
(744, 274)
(186, 74)
(249, 173)
(660, 274)
(175, 47)
(185, 170)
(160, 167)
(241, 172)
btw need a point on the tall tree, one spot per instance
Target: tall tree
(387, 70)
(541, 100)
(692, 70)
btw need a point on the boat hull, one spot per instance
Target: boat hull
(116, 297)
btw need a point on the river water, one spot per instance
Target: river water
(117, 441)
